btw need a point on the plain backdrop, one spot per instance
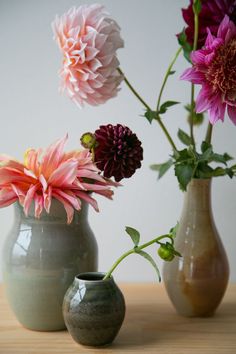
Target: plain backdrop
(34, 114)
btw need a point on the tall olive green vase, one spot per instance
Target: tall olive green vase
(196, 282)
(40, 260)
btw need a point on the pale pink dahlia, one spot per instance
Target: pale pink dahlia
(88, 39)
(68, 177)
(214, 67)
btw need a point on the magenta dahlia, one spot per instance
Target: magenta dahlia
(214, 67)
(88, 39)
(211, 15)
(119, 152)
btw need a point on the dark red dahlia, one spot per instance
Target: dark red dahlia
(211, 15)
(119, 152)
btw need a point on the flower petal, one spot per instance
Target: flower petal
(232, 113)
(193, 75)
(88, 199)
(52, 157)
(38, 200)
(65, 174)
(202, 102)
(29, 198)
(69, 196)
(7, 197)
(69, 209)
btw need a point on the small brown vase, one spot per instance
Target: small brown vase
(196, 282)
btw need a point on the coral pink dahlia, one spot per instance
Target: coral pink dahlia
(88, 39)
(214, 67)
(68, 177)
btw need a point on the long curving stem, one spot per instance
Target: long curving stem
(135, 250)
(158, 119)
(196, 30)
(166, 77)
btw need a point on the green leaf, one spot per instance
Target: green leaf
(162, 168)
(166, 105)
(134, 234)
(227, 157)
(229, 172)
(184, 137)
(203, 170)
(150, 115)
(218, 171)
(207, 155)
(172, 72)
(187, 48)
(219, 158)
(205, 146)
(233, 168)
(184, 173)
(173, 230)
(184, 155)
(197, 6)
(151, 260)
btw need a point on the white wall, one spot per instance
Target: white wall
(33, 114)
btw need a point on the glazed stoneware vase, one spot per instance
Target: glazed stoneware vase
(40, 260)
(93, 309)
(197, 281)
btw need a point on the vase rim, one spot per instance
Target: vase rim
(92, 277)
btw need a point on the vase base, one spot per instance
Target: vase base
(40, 329)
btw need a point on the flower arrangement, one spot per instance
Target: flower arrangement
(89, 39)
(69, 177)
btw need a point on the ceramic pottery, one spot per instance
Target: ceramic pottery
(93, 309)
(40, 260)
(197, 281)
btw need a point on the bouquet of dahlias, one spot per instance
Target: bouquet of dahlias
(89, 39)
(69, 177)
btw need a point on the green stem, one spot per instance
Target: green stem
(133, 90)
(166, 77)
(148, 108)
(196, 29)
(134, 250)
(191, 115)
(209, 133)
(158, 119)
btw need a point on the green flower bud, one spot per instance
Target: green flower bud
(88, 141)
(166, 252)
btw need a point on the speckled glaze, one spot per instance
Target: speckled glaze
(197, 282)
(40, 260)
(93, 309)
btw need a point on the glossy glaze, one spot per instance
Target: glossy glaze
(196, 282)
(40, 261)
(93, 309)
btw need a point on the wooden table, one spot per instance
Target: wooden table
(151, 326)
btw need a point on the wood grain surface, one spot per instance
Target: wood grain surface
(151, 326)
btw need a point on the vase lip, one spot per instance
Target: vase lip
(92, 277)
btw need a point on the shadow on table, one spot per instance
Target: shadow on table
(143, 326)
(149, 324)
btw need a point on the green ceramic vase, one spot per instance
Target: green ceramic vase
(93, 309)
(40, 260)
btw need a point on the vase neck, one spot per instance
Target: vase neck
(57, 213)
(198, 195)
